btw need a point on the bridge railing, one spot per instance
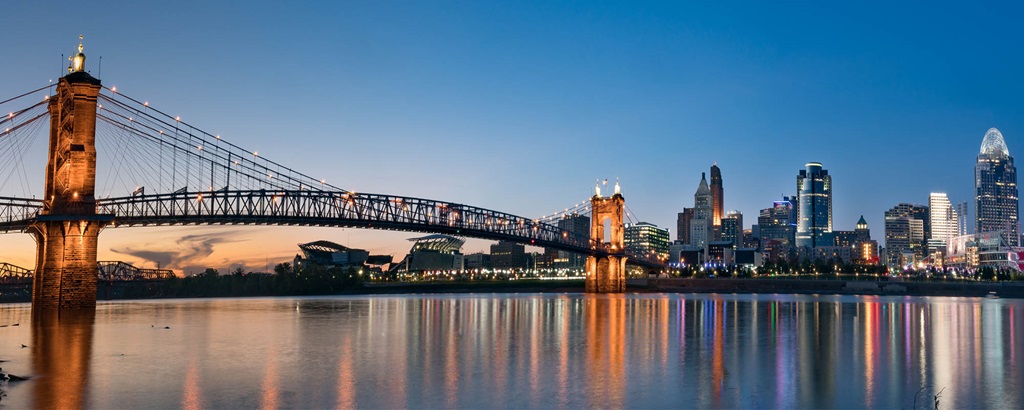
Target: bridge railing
(16, 214)
(321, 208)
(338, 208)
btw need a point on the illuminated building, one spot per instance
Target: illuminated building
(509, 255)
(865, 250)
(943, 220)
(906, 233)
(433, 252)
(732, 228)
(777, 229)
(995, 184)
(646, 238)
(717, 197)
(327, 253)
(814, 198)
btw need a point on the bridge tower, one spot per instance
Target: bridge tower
(67, 228)
(607, 274)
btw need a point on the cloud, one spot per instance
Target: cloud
(186, 253)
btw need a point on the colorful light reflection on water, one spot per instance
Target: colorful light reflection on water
(523, 351)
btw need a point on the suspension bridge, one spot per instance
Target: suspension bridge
(164, 171)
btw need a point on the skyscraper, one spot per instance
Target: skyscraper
(814, 195)
(777, 229)
(906, 234)
(701, 225)
(943, 220)
(995, 186)
(683, 225)
(732, 228)
(717, 196)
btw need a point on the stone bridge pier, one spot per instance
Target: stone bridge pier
(67, 228)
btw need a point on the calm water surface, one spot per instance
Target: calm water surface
(521, 351)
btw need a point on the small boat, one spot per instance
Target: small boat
(992, 295)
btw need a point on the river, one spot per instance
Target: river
(521, 351)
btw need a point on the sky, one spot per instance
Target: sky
(521, 106)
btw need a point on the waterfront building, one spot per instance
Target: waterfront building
(720, 253)
(837, 254)
(748, 257)
(701, 226)
(646, 238)
(732, 228)
(509, 255)
(995, 185)
(981, 249)
(777, 229)
(717, 200)
(814, 196)
(906, 233)
(943, 220)
(478, 260)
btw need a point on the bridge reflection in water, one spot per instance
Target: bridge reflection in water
(61, 350)
(528, 351)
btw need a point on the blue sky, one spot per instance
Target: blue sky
(520, 106)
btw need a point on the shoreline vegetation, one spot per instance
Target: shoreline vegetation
(318, 280)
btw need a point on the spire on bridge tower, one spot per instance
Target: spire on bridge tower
(78, 61)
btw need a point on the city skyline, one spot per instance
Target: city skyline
(714, 83)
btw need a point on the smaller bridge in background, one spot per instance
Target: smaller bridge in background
(109, 271)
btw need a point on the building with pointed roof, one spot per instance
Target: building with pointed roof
(701, 226)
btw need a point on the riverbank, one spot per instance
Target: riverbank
(667, 285)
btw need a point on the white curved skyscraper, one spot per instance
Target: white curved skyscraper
(995, 187)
